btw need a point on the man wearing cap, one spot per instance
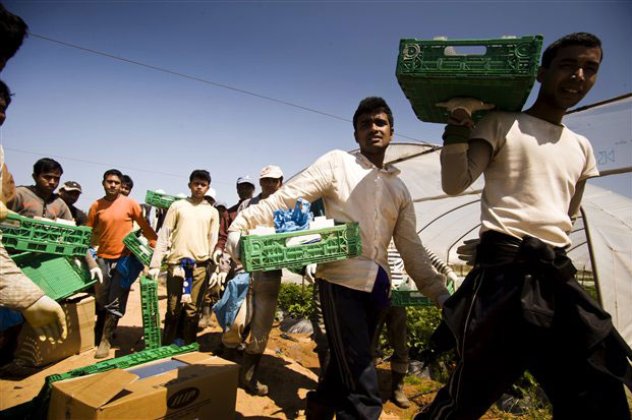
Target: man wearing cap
(245, 191)
(355, 187)
(264, 292)
(70, 192)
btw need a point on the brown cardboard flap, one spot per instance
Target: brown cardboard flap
(110, 383)
(192, 358)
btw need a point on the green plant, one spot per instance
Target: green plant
(296, 300)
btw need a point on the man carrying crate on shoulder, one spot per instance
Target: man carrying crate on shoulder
(520, 308)
(355, 187)
(187, 239)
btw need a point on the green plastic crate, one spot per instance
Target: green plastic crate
(270, 252)
(59, 277)
(429, 72)
(414, 297)
(44, 236)
(150, 312)
(159, 200)
(141, 250)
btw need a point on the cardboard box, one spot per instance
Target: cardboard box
(79, 309)
(187, 386)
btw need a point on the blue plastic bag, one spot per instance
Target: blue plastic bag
(129, 268)
(292, 220)
(228, 306)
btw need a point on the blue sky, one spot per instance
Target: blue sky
(246, 71)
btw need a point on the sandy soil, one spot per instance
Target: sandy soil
(289, 367)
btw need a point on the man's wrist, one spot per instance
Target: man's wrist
(454, 134)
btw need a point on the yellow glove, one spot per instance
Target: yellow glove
(47, 319)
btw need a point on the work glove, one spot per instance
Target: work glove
(232, 245)
(96, 273)
(467, 251)
(47, 319)
(461, 109)
(153, 273)
(217, 256)
(221, 279)
(4, 212)
(310, 273)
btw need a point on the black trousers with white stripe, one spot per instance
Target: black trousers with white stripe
(350, 385)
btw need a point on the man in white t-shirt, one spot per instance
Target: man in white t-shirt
(520, 308)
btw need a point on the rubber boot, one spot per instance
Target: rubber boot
(248, 373)
(189, 330)
(397, 390)
(316, 409)
(170, 331)
(109, 326)
(98, 326)
(323, 361)
(205, 318)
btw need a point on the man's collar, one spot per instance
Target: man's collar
(366, 163)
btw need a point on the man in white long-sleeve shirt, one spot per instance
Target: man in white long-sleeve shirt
(187, 239)
(355, 187)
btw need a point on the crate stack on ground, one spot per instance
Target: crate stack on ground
(150, 312)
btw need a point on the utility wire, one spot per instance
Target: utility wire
(199, 79)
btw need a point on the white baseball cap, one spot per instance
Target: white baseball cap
(271, 171)
(245, 180)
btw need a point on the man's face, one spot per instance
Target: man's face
(571, 75)
(112, 186)
(373, 132)
(70, 197)
(3, 110)
(245, 190)
(198, 188)
(269, 186)
(126, 189)
(47, 182)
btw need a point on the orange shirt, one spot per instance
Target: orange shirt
(111, 221)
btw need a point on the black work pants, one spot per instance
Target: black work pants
(350, 384)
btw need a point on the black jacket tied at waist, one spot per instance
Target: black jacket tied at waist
(529, 285)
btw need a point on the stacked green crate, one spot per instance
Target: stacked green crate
(414, 297)
(59, 277)
(44, 236)
(160, 200)
(150, 312)
(141, 250)
(432, 71)
(273, 252)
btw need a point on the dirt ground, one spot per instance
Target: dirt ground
(289, 367)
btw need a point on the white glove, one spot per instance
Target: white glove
(217, 256)
(4, 212)
(154, 273)
(221, 279)
(96, 273)
(78, 263)
(461, 109)
(47, 319)
(310, 272)
(232, 245)
(212, 281)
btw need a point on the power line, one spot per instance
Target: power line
(201, 80)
